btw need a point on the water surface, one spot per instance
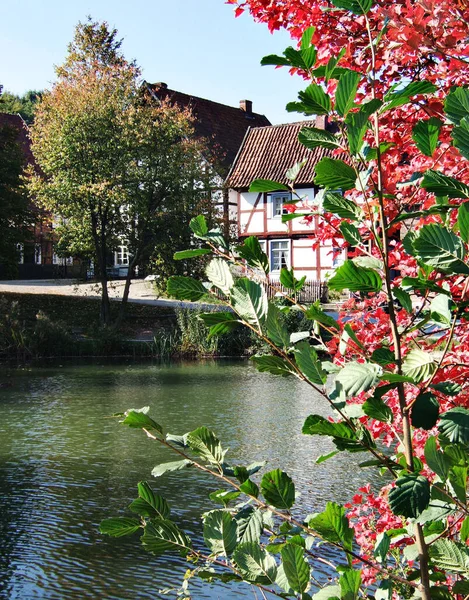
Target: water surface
(65, 465)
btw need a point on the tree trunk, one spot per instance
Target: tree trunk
(125, 296)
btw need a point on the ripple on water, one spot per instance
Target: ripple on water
(64, 466)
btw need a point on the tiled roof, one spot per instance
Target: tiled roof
(16, 122)
(223, 126)
(268, 152)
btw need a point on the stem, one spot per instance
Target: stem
(283, 516)
(406, 424)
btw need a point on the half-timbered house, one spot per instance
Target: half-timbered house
(267, 153)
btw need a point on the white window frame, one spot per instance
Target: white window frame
(121, 255)
(271, 254)
(37, 254)
(20, 250)
(277, 200)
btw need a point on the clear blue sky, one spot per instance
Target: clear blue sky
(195, 46)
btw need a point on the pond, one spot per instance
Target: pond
(64, 466)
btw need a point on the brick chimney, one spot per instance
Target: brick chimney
(246, 105)
(161, 85)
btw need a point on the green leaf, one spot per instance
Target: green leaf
(223, 496)
(346, 92)
(351, 233)
(410, 496)
(441, 249)
(294, 171)
(355, 378)
(138, 418)
(275, 60)
(342, 434)
(440, 308)
(220, 532)
(149, 504)
(255, 563)
(266, 185)
(249, 300)
(185, 288)
(177, 465)
(308, 363)
(220, 322)
(358, 7)
(447, 387)
(350, 580)
(250, 524)
(396, 378)
(250, 488)
(394, 99)
(119, 526)
(356, 279)
(162, 536)
(315, 313)
(463, 221)
(368, 261)
(454, 425)
(313, 101)
(183, 254)
(219, 275)
(457, 477)
(334, 174)
(336, 204)
(403, 298)
(418, 365)
(425, 135)
(435, 459)
(205, 444)
(425, 411)
(383, 543)
(465, 531)
(348, 334)
(311, 137)
(461, 587)
(333, 525)
(273, 364)
(276, 328)
(278, 489)
(461, 137)
(383, 356)
(377, 409)
(324, 457)
(330, 70)
(307, 37)
(288, 280)
(357, 124)
(450, 556)
(296, 567)
(442, 185)
(330, 592)
(198, 226)
(253, 254)
(457, 104)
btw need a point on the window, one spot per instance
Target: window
(122, 255)
(37, 254)
(278, 200)
(279, 255)
(20, 250)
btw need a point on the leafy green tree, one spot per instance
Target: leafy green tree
(117, 169)
(15, 217)
(24, 105)
(83, 139)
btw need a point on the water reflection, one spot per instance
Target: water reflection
(64, 465)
